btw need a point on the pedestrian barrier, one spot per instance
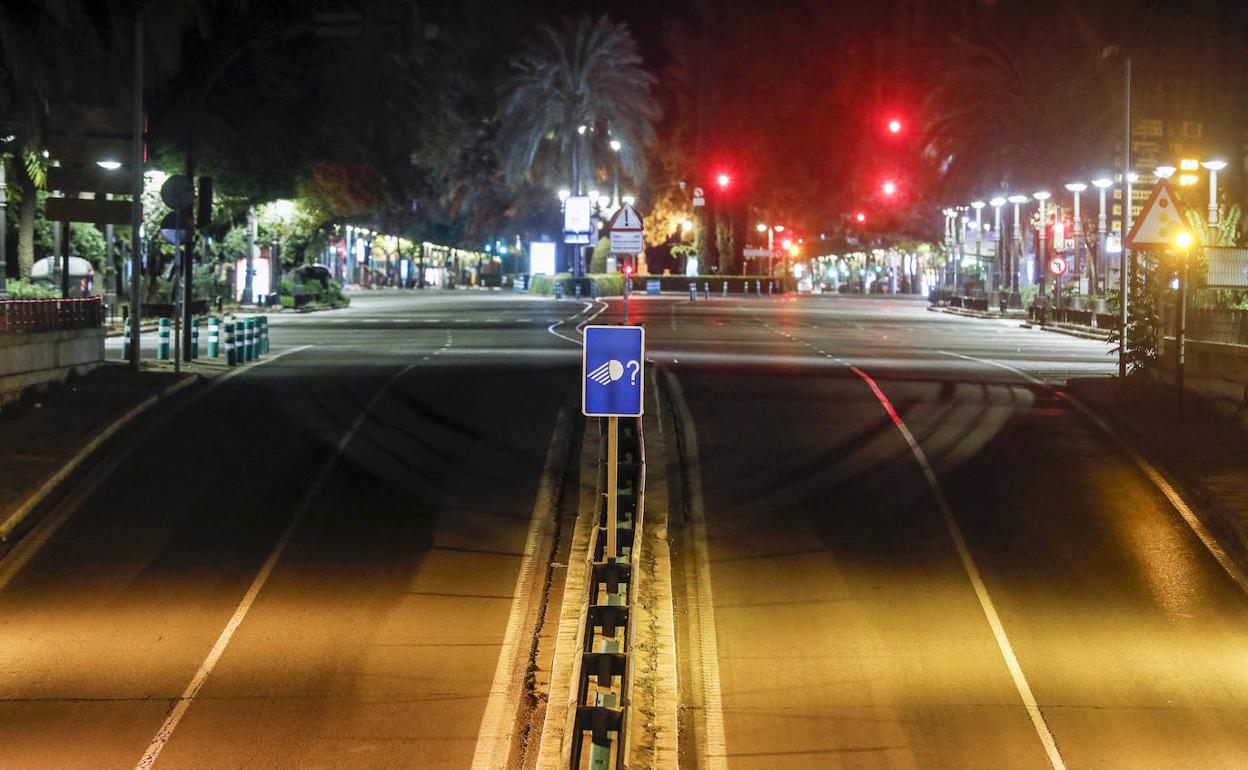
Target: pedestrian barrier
(231, 344)
(45, 315)
(214, 336)
(577, 287)
(603, 671)
(693, 291)
(194, 352)
(162, 346)
(264, 334)
(593, 290)
(706, 290)
(558, 291)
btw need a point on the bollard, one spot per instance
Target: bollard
(745, 286)
(578, 289)
(214, 336)
(758, 288)
(194, 352)
(706, 290)
(249, 339)
(264, 334)
(559, 290)
(593, 290)
(162, 346)
(230, 355)
(724, 286)
(770, 285)
(693, 292)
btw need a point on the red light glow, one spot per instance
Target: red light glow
(723, 180)
(889, 188)
(860, 217)
(894, 126)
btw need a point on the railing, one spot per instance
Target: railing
(45, 315)
(604, 666)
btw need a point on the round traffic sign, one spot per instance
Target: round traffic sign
(178, 192)
(1057, 265)
(170, 227)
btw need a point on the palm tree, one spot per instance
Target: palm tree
(576, 88)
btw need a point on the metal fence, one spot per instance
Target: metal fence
(604, 665)
(45, 315)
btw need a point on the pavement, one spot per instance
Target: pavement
(895, 543)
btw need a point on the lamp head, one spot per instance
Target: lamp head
(1165, 172)
(1076, 187)
(1041, 196)
(1214, 165)
(977, 205)
(1018, 199)
(1103, 182)
(997, 202)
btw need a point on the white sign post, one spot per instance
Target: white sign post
(628, 238)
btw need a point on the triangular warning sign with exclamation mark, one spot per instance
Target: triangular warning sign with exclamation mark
(1160, 222)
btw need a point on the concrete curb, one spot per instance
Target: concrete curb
(50, 485)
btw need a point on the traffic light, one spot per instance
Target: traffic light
(723, 180)
(860, 217)
(889, 188)
(894, 126)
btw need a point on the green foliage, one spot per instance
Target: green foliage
(609, 284)
(19, 289)
(598, 260)
(1144, 332)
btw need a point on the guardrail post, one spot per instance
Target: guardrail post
(214, 336)
(162, 347)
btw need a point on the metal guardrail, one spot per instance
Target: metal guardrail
(45, 315)
(604, 666)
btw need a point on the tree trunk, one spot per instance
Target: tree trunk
(25, 222)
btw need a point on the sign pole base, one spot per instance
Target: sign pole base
(613, 451)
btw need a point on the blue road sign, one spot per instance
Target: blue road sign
(612, 364)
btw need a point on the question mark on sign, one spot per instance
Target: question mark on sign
(636, 370)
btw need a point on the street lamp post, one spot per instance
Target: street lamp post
(1184, 242)
(1042, 254)
(1016, 262)
(1214, 166)
(999, 257)
(615, 183)
(979, 240)
(1101, 264)
(1077, 188)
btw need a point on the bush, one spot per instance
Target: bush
(19, 289)
(609, 284)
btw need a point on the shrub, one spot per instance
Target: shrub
(19, 289)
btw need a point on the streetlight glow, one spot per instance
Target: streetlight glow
(1214, 165)
(1102, 182)
(1018, 199)
(615, 145)
(977, 205)
(1183, 240)
(723, 180)
(1165, 172)
(110, 165)
(564, 194)
(1076, 186)
(997, 201)
(1041, 196)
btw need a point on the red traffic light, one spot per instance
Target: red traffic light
(894, 126)
(723, 180)
(889, 188)
(860, 217)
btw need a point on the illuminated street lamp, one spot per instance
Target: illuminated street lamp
(979, 238)
(1042, 255)
(564, 194)
(1213, 166)
(771, 237)
(1077, 188)
(615, 183)
(1101, 184)
(1164, 172)
(996, 204)
(1183, 242)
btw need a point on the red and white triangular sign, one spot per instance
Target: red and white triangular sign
(1160, 222)
(626, 219)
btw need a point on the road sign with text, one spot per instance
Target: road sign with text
(628, 233)
(612, 364)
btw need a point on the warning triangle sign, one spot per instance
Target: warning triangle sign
(1160, 222)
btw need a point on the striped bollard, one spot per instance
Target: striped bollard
(264, 334)
(770, 285)
(745, 286)
(578, 289)
(693, 292)
(706, 290)
(250, 331)
(724, 290)
(231, 345)
(125, 344)
(194, 339)
(758, 288)
(162, 346)
(214, 336)
(559, 290)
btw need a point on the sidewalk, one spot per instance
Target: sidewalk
(1207, 454)
(47, 436)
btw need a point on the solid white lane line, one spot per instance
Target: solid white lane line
(715, 745)
(498, 722)
(972, 572)
(183, 703)
(1149, 470)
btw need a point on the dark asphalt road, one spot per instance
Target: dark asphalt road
(850, 631)
(867, 613)
(374, 640)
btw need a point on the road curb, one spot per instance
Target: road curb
(14, 520)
